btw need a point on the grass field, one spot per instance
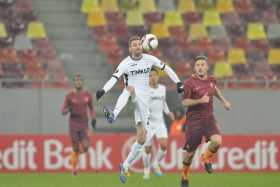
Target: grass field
(135, 180)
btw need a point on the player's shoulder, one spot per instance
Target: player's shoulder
(87, 92)
(69, 94)
(161, 86)
(148, 56)
(211, 78)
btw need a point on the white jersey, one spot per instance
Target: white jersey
(136, 72)
(158, 105)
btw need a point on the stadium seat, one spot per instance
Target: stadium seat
(215, 55)
(273, 31)
(205, 5)
(173, 19)
(262, 45)
(211, 18)
(134, 18)
(262, 5)
(197, 30)
(185, 6)
(224, 6)
(99, 31)
(243, 43)
(262, 69)
(177, 32)
(183, 69)
(3, 32)
(255, 31)
(22, 42)
(204, 44)
(154, 17)
(90, 6)
(244, 6)
(36, 30)
(184, 44)
(222, 70)
(236, 30)
(109, 5)
(96, 18)
(222, 43)
(231, 19)
(269, 17)
(160, 30)
(147, 6)
(165, 6)
(216, 32)
(273, 56)
(191, 17)
(236, 56)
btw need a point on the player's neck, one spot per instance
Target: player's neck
(154, 85)
(78, 90)
(203, 77)
(136, 57)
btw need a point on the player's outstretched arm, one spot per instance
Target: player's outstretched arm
(174, 78)
(108, 86)
(220, 96)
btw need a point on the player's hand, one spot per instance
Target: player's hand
(171, 116)
(93, 123)
(70, 109)
(205, 98)
(227, 105)
(99, 94)
(180, 87)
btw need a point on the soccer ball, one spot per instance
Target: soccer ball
(149, 42)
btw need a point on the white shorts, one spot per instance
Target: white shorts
(160, 132)
(141, 111)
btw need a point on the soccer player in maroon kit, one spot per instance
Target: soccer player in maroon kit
(198, 97)
(76, 103)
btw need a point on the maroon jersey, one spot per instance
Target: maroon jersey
(195, 88)
(78, 102)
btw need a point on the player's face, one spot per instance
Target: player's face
(153, 78)
(78, 82)
(201, 68)
(135, 48)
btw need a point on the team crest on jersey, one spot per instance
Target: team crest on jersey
(212, 85)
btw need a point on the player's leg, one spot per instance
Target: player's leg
(121, 102)
(161, 134)
(187, 161)
(213, 134)
(193, 137)
(74, 134)
(147, 158)
(85, 141)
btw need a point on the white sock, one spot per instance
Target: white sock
(134, 152)
(146, 160)
(122, 101)
(159, 156)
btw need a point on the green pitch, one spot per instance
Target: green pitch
(135, 180)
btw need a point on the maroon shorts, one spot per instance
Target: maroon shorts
(79, 134)
(196, 130)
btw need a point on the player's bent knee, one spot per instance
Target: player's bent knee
(163, 147)
(141, 141)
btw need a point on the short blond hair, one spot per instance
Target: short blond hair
(133, 38)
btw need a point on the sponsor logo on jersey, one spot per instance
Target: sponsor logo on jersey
(140, 71)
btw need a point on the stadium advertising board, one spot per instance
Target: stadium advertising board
(51, 153)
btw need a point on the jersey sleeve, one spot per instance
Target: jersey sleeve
(120, 70)
(158, 63)
(187, 90)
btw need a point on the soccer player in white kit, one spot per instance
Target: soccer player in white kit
(136, 69)
(157, 106)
